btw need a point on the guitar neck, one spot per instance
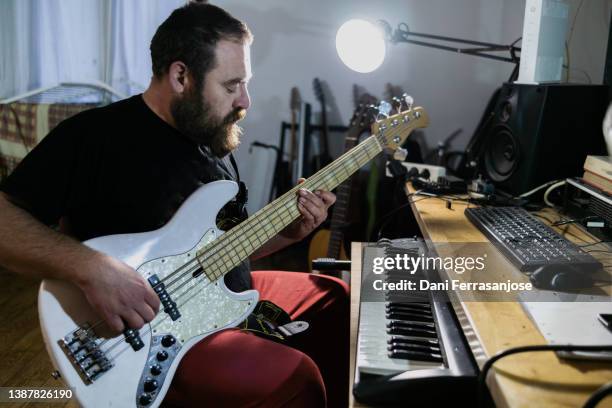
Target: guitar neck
(324, 130)
(343, 198)
(243, 240)
(293, 136)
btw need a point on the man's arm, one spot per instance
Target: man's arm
(313, 208)
(115, 291)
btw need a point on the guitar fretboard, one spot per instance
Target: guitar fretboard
(233, 247)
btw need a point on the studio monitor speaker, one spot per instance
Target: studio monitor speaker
(539, 133)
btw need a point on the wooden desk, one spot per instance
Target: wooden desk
(355, 298)
(524, 380)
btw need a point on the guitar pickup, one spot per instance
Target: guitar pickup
(165, 299)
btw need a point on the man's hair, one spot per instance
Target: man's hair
(190, 34)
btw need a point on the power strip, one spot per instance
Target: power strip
(435, 172)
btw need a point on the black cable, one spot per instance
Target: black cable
(482, 376)
(564, 232)
(515, 41)
(601, 393)
(387, 217)
(574, 220)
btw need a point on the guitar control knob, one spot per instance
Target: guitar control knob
(145, 399)
(168, 341)
(162, 355)
(150, 385)
(156, 369)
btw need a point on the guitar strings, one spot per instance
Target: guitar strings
(230, 238)
(287, 198)
(316, 178)
(286, 209)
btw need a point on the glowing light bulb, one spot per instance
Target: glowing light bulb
(360, 45)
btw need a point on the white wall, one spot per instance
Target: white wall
(294, 42)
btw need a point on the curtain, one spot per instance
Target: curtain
(130, 58)
(44, 42)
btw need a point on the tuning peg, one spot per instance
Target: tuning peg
(400, 154)
(408, 99)
(398, 104)
(384, 108)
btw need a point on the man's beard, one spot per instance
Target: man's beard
(194, 118)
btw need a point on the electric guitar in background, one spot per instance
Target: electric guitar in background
(329, 243)
(294, 104)
(321, 157)
(285, 169)
(184, 262)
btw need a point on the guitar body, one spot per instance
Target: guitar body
(319, 245)
(205, 309)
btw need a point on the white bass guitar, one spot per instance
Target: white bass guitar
(185, 262)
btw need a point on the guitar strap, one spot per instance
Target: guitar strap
(235, 211)
(271, 322)
(243, 192)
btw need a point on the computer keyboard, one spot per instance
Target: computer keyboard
(526, 241)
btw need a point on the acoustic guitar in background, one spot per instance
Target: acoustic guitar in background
(329, 243)
(321, 157)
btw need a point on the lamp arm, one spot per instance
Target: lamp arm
(401, 34)
(471, 51)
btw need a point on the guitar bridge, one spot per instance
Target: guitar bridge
(83, 351)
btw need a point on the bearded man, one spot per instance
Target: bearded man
(127, 167)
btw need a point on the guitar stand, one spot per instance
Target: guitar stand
(310, 129)
(276, 181)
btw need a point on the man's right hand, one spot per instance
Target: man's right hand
(117, 293)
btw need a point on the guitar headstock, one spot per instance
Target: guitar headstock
(318, 90)
(364, 114)
(393, 131)
(295, 100)
(399, 99)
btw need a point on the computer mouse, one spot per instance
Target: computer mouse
(561, 277)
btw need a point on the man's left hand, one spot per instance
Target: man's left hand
(313, 207)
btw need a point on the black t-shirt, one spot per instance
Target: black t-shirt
(117, 169)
